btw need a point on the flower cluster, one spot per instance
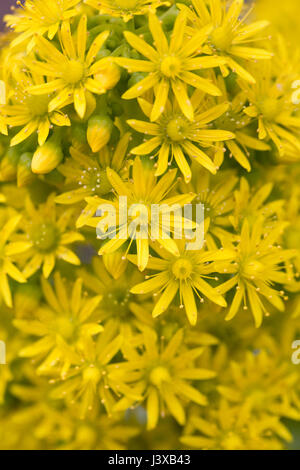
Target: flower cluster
(120, 341)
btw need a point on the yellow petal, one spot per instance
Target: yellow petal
(152, 407)
(189, 303)
(165, 299)
(48, 265)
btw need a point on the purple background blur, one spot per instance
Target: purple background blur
(5, 8)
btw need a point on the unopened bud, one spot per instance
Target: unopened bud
(47, 157)
(108, 74)
(99, 132)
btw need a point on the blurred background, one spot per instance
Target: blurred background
(5, 8)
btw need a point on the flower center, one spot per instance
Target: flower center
(170, 66)
(126, 4)
(97, 182)
(231, 442)
(45, 236)
(176, 129)
(38, 105)
(222, 38)
(182, 268)
(116, 301)
(269, 107)
(252, 268)
(91, 374)
(65, 327)
(159, 375)
(74, 72)
(257, 397)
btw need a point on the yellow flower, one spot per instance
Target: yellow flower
(170, 66)
(235, 120)
(162, 135)
(144, 188)
(225, 429)
(61, 324)
(8, 249)
(216, 195)
(230, 36)
(40, 17)
(269, 105)
(31, 112)
(252, 204)
(292, 234)
(98, 432)
(36, 413)
(49, 236)
(261, 384)
(257, 269)
(92, 382)
(163, 375)
(86, 175)
(126, 9)
(112, 278)
(185, 273)
(176, 136)
(70, 71)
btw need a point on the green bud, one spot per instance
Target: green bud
(9, 164)
(24, 173)
(135, 78)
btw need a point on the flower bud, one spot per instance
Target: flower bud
(99, 132)
(108, 74)
(47, 157)
(9, 164)
(24, 174)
